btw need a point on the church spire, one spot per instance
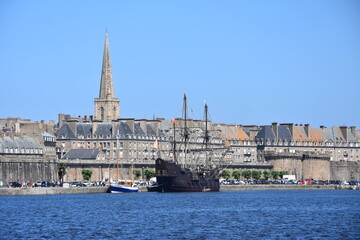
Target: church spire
(106, 85)
(107, 107)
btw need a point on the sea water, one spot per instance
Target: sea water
(320, 214)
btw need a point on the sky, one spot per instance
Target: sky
(253, 62)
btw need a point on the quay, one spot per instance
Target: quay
(91, 190)
(250, 187)
(50, 191)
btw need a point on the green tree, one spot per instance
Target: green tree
(282, 173)
(246, 174)
(86, 173)
(275, 174)
(236, 174)
(266, 174)
(256, 174)
(62, 171)
(149, 173)
(226, 174)
(137, 173)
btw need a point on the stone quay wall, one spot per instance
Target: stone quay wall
(280, 187)
(51, 191)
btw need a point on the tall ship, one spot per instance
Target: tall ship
(192, 166)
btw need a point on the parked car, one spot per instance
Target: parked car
(14, 185)
(45, 184)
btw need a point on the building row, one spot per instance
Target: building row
(111, 146)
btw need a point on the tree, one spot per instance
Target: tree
(226, 174)
(275, 174)
(137, 173)
(86, 173)
(149, 173)
(246, 174)
(266, 174)
(282, 173)
(256, 174)
(236, 174)
(61, 171)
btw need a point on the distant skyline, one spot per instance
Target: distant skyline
(254, 62)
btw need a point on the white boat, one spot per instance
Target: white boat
(118, 188)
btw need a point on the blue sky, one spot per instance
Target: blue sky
(255, 62)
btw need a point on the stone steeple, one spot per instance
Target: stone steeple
(107, 107)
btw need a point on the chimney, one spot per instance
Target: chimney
(115, 128)
(275, 129)
(94, 127)
(344, 132)
(61, 118)
(17, 127)
(307, 130)
(352, 130)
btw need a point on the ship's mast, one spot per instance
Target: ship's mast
(117, 159)
(186, 133)
(206, 127)
(206, 137)
(174, 145)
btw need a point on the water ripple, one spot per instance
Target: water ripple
(223, 215)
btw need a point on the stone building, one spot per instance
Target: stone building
(319, 153)
(123, 143)
(242, 145)
(27, 151)
(107, 107)
(126, 143)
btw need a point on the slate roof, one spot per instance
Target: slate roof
(267, 132)
(103, 129)
(138, 130)
(150, 130)
(84, 129)
(65, 131)
(81, 154)
(18, 142)
(335, 134)
(122, 129)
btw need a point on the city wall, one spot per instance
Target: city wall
(345, 170)
(304, 168)
(31, 168)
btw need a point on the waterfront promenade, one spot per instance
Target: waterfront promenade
(87, 190)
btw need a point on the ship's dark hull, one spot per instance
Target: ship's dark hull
(171, 177)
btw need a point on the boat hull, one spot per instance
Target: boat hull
(171, 177)
(117, 188)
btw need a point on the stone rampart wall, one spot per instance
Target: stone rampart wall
(304, 168)
(31, 168)
(349, 171)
